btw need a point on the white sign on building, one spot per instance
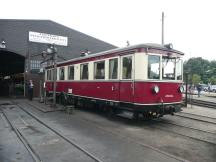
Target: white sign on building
(47, 38)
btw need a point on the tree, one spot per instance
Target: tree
(204, 68)
(212, 80)
(196, 79)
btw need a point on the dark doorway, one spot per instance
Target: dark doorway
(11, 73)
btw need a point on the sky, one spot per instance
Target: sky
(190, 25)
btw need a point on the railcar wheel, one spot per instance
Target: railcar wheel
(135, 116)
(110, 111)
(147, 116)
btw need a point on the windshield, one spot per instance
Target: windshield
(168, 68)
(171, 67)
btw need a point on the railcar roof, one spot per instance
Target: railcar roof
(121, 49)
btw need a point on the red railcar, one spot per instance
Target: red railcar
(145, 78)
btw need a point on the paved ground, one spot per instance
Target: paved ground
(200, 110)
(110, 140)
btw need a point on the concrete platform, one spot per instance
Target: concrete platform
(205, 96)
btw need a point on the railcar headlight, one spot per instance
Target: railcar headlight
(181, 89)
(156, 89)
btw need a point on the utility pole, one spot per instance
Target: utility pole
(54, 75)
(162, 41)
(186, 91)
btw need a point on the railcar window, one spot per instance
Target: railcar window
(48, 74)
(61, 74)
(99, 70)
(113, 68)
(70, 72)
(54, 74)
(153, 67)
(51, 75)
(127, 68)
(84, 71)
(168, 68)
(179, 69)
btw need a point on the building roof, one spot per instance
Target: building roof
(15, 33)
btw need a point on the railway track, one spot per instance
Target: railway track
(184, 126)
(129, 139)
(197, 117)
(22, 138)
(202, 103)
(162, 125)
(207, 117)
(37, 158)
(182, 130)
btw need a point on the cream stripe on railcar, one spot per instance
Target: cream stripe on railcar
(140, 63)
(77, 72)
(91, 70)
(106, 69)
(65, 72)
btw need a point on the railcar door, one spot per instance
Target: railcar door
(114, 77)
(127, 79)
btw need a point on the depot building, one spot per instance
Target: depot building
(22, 43)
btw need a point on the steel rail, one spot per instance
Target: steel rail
(205, 141)
(195, 119)
(134, 141)
(183, 134)
(205, 131)
(202, 103)
(204, 116)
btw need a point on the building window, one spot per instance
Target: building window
(35, 64)
(113, 68)
(61, 73)
(153, 67)
(127, 68)
(70, 72)
(99, 70)
(84, 71)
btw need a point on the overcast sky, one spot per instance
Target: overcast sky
(190, 25)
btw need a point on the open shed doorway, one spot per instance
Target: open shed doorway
(11, 74)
